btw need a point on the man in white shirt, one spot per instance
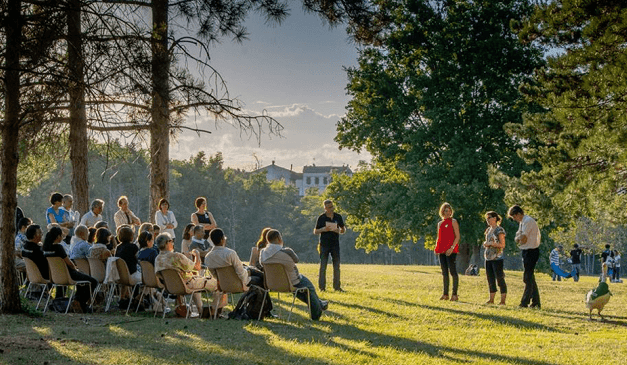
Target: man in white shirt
(528, 240)
(222, 256)
(93, 216)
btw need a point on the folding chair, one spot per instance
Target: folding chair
(97, 271)
(83, 266)
(149, 278)
(276, 280)
(228, 283)
(125, 279)
(60, 275)
(175, 285)
(35, 278)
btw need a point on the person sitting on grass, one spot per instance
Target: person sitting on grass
(275, 253)
(187, 269)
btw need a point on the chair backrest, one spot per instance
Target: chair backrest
(228, 281)
(59, 272)
(82, 265)
(33, 273)
(254, 256)
(173, 282)
(148, 275)
(276, 278)
(125, 275)
(97, 269)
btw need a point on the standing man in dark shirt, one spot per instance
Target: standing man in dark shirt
(575, 259)
(329, 226)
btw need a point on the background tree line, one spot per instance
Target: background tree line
(242, 203)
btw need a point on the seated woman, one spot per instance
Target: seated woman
(55, 214)
(147, 251)
(262, 242)
(100, 248)
(127, 251)
(188, 232)
(52, 248)
(187, 269)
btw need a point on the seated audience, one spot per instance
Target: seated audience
(94, 215)
(187, 269)
(32, 249)
(260, 245)
(199, 242)
(188, 232)
(100, 248)
(222, 256)
(81, 247)
(147, 227)
(156, 229)
(275, 253)
(20, 239)
(127, 251)
(53, 248)
(92, 235)
(147, 251)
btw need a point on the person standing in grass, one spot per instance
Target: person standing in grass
(446, 248)
(329, 226)
(528, 240)
(575, 258)
(493, 254)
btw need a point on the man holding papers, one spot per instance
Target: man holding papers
(329, 226)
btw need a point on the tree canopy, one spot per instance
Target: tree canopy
(430, 104)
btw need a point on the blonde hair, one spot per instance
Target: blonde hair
(444, 206)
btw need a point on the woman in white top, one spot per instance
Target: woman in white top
(164, 218)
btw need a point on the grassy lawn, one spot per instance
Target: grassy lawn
(389, 315)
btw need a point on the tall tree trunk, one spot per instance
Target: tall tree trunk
(9, 292)
(463, 258)
(78, 116)
(160, 126)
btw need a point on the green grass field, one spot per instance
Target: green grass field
(388, 315)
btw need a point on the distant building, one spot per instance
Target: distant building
(312, 176)
(320, 176)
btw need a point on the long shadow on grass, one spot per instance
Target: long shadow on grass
(491, 317)
(391, 343)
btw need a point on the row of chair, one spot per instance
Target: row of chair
(276, 280)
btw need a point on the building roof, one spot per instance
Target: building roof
(326, 169)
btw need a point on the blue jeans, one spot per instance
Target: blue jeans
(316, 306)
(325, 250)
(576, 269)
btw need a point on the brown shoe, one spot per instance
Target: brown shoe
(454, 298)
(444, 297)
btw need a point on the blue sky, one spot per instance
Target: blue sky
(294, 71)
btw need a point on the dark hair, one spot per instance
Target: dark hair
(92, 235)
(494, 214)
(52, 236)
(101, 224)
(23, 222)
(186, 232)
(163, 201)
(144, 238)
(31, 231)
(56, 197)
(514, 210)
(199, 201)
(155, 227)
(262, 242)
(607, 245)
(125, 234)
(216, 235)
(576, 245)
(102, 235)
(273, 235)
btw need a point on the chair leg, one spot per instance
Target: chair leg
(93, 296)
(25, 294)
(215, 310)
(49, 296)
(161, 300)
(110, 296)
(44, 288)
(265, 292)
(69, 303)
(141, 297)
(130, 299)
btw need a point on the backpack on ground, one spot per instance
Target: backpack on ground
(250, 304)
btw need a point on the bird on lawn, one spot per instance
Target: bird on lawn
(597, 298)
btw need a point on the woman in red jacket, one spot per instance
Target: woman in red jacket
(447, 248)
